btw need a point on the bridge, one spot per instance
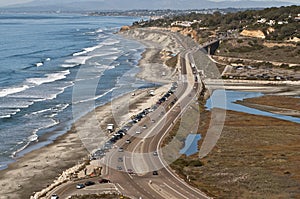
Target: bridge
(210, 47)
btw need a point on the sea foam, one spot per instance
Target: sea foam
(49, 78)
(9, 91)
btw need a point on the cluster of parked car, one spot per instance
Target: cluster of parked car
(122, 132)
(90, 183)
(142, 114)
(108, 144)
(165, 97)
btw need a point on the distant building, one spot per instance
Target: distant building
(262, 20)
(153, 18)
(271, 22)
(184, 23)
(282, 22)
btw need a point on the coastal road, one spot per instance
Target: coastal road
(140, 170)
(139, 156)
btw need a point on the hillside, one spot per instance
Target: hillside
(275, 23)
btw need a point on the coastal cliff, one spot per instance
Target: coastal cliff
(161, 47)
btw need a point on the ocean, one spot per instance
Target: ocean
(44, 57)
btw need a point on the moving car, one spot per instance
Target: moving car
(155, 173)
(130, 171)
(89, 183)
(103, 180)
(80, 186)
(127, 141)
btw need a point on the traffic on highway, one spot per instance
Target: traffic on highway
(133, 158)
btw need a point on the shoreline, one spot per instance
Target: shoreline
(37, 169)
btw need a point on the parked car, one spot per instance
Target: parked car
(155, 173)
(54, 196)
(80, 186)
(127, 141)
(155, 153)
(89, 183)
(103, 180)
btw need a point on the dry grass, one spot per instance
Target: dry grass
(255, 49)
(277, 101)
(256, 157)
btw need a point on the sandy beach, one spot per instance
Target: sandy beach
(155, 42)
(38, 169)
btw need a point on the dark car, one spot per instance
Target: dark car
(103, 180)
(155, 173)
(89, 183)
(130, 171)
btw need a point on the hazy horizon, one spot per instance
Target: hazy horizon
(20, 3)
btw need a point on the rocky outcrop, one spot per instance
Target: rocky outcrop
(124, 28)
(186, 32)
(293, 39)
(253, 33)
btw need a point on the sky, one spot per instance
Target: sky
(11, 2)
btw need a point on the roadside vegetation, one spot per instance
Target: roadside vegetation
(258, 39)
(256, 157)
(259, 49)
(277, 23)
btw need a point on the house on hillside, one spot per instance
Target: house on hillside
(271, 22)
(262, 20)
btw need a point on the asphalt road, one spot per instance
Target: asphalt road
(131, 171)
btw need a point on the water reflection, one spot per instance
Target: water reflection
(233, 96)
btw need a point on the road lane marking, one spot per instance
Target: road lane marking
(120, 186)
(126, 169)
(160, 191)
(159, 143)
(175, 190)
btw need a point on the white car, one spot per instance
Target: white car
(138, 132)
(54, 196)
(80, 186)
